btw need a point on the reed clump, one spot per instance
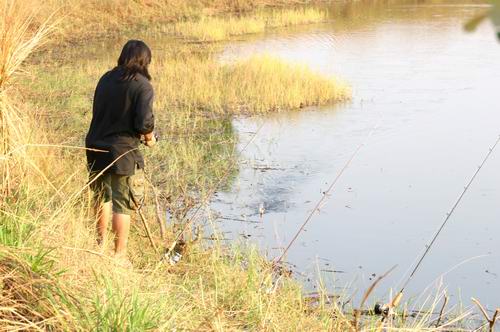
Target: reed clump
(264, 83)
(256, 85)
(213, 28)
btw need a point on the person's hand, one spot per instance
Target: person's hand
(150, 139)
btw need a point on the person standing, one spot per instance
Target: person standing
(122, 117)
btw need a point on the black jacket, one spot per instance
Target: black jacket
(122, 111)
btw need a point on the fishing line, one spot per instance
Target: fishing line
(448, 215)
(327, 192)
(442, 275)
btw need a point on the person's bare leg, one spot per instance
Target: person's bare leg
(103, 213)
(121, 228)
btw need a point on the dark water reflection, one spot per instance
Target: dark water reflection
(435, 91)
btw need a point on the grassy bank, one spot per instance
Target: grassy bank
(55, 279)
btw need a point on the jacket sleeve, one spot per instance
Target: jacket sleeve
(144, 118)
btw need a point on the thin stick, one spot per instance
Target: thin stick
(50, 146)
(365, 297)
(157, 208)
(146, 227)
(441, 312)
(87, 251)
(494, 319)
(70, 199)
(491, 321)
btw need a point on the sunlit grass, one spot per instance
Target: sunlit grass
(210, 28)
(97, 18)
(256, 85)
(195, 99)
(217, 288)
(52, 274)
(264, 83)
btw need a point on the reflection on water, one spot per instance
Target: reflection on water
(435, 92)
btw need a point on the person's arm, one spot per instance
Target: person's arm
(144, 118)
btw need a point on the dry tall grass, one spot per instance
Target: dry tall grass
(31, 299)
(210, 28)
(91, 18)
(256, 85)
(50, 226)
(19, 36)
(52, 275)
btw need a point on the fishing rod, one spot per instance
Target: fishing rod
(386, 310)
(326, 193)
(212, 190)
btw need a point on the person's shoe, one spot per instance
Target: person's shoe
(123, 261)
(100, 246)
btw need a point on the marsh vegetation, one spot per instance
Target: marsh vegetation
(53, 275)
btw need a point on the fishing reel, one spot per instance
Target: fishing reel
(281, 269)
(383, 310)
(387, 310)
(174, 254)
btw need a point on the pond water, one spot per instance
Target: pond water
(434, 91)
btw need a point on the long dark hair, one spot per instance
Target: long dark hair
(134, 59)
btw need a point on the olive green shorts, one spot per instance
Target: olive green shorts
(125, 192)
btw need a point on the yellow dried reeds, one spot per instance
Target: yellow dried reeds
(19, 37)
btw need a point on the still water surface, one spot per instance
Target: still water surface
(435, 93)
